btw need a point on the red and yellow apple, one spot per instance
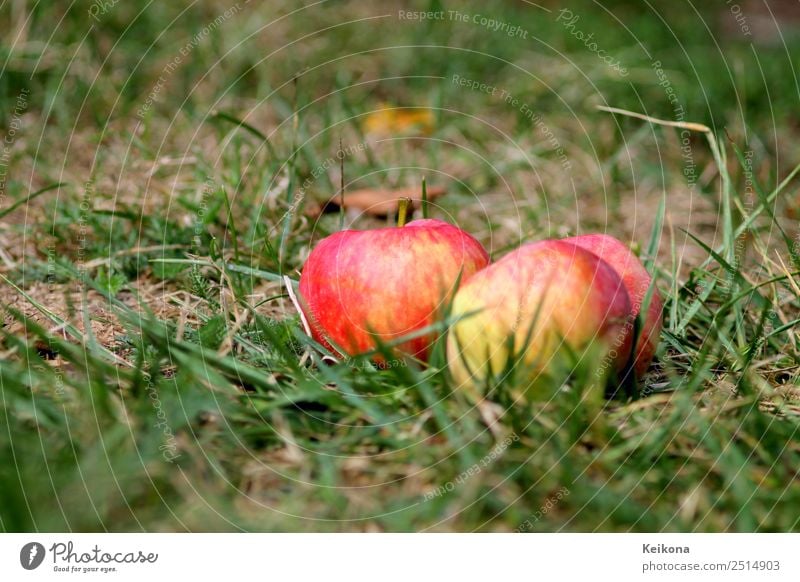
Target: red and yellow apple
(361, 286)
(551, 299)
(637, 281)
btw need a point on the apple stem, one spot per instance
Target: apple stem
(424, 198)
(402, 211)
(341, 186)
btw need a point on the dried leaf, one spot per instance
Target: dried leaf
(375, 202)
(399, 120)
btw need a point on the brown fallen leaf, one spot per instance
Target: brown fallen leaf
(391, 120)
(375, 201)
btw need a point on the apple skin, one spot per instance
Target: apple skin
(554, 293)
(637, 281)
(386, 282)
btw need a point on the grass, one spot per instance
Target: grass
(154, 373)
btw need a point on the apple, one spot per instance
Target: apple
(361, 286)
(637, 281)
(554, 299)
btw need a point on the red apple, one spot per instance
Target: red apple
(551, 298)
(385, 283)
(637, 281)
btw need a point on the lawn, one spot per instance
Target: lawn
(163, 170)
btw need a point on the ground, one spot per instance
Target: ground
(161, 175)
